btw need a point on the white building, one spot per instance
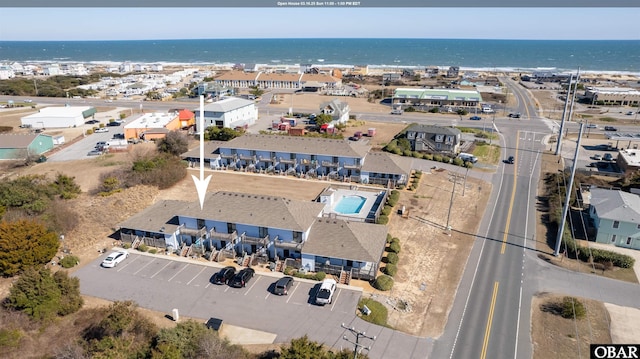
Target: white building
(6, 72)
(231, 112)
(58, 117)
(51, 70)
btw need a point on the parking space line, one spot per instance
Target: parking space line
(201, 270)
(143, 267)
(253, 285)
(267, 296)
(165, 266)
(178, 272)
(334, 300)
(127, 264)
(207, 286)
(293, 291)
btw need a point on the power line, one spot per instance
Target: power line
(357, 345)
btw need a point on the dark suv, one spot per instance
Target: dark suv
(241, 278)
(224, 275)
(283, 285)
(510, 160)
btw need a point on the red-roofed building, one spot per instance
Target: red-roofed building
(187, 118)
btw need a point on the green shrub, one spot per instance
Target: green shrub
(383, 219)
(428, 156)
(468, 165)
(395, 240)
(401, 187)
(406, 153)
(572, 308)
(418, 174)
(389, 238)
(69, 261)
(458, 161)
(153, 251)
(390, 269)
(126, 245)
(392, 258)
(394, 247)
(143, 247)
(378, 313)
(434, 110)
(10, 338)
(437, 158)
(397, 151)
(383, 283)
(416, 154)
(386, 210)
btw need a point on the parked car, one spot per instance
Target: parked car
(592, 125)
(511, 160)
(396, 112)
(91, 122)
(325, 293)
(95, 152)
(629, 113)
(113, 123)
(515, 115)
(283, 285)
(224, 275)
(475, 118)
(610, 128)
(597, 157)
(241, 278)
(114, 258)
(118, 136)
(101, 130)
(607, 157)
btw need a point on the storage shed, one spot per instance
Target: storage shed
(58, 117)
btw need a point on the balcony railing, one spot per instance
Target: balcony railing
(288, 160)
(194, 231)
(352, 166)
(288, 244)
(308, 162)
(254, 240)
(248, 157)
(228, 237)
(266, 159)
(330, 164)
(227, 156)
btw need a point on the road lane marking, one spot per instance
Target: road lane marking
(253, 285)
(201, 270)
(165, 266)
(294, 289)
(487, 331)
(143, 267)
(513, 197)
(178, 272)
(334, 300)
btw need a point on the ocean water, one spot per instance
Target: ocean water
(597, 56)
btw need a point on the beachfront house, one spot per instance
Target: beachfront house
(445, 99)
(616, 217)
(230, 112)
(453, 72)
(433, 139)
(240, 224)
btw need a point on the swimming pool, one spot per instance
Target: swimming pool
(350, 204)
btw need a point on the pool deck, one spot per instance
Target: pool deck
(370, 200)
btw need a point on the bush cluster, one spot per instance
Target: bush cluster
(390, 269)
(383, 219)
(597, 255)
(572, 308)
(383, 283)
(143, 247)
(160, 170)
(392, 258)
(319, 276)
(394, 247)
(69, 261)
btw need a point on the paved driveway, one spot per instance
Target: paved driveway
(164, 283)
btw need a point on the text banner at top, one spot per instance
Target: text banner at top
(321, 4)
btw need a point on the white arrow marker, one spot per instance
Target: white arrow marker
(201, 183)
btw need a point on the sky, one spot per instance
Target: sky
(52, 24)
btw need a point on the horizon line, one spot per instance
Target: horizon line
(320, 38)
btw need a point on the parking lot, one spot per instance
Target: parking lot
(163, 284)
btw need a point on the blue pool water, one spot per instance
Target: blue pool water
(350, 204)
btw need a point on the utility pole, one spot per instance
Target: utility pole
(357, 346)
(565, 209)
(564, 113)
(453, 192)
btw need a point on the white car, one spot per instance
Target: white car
(101, 130)
(114, 258)
(325, 293)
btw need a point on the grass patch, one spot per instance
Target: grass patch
(608, 119)
(107, 160)
(487, 153)
(378, 314)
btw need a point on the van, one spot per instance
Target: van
(467, 157)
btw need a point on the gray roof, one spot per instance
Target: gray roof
(616, 205)
(441, 130)
(339, 107)
(209, 148)
(17, 140)
(231, 207)
(301, 145)
(227, 104)
(356, 241)
(383, 162)
(157, 216)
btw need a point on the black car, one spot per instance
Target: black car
(510, 160)
(224, 275)
(515, 115)
(283, 285)
(241, 278)
(113, 123)
(610, 128)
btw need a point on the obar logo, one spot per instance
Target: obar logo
(614, 351)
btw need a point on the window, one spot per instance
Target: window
(231, 227)
(613, 238)
(263, 232)
(297, 237)
(638, 226)
(200, 223)
(628, 240)
(616, 224)
(439, 138)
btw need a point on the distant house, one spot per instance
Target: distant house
(426, 99)
(391, 76)
(616, 217)
(187, 118)
(21, 146)
(436, 139)
(628, 160)
(453, 72)
(213, 90)
(338, 110)
(6, 72)
(431, 72)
